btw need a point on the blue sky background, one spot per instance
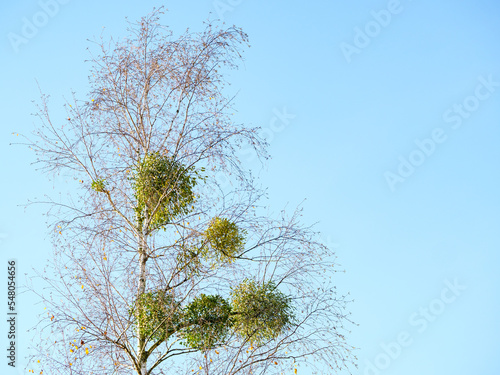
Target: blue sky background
(355, 118)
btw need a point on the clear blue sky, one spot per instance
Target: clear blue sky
(390, 127)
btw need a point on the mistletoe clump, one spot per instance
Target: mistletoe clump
(257, 312)
(163, 188)
(207, 321)
(99, 185)
(261, 312)
(226, 240)
(157, 314)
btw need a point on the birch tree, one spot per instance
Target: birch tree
(157, 267)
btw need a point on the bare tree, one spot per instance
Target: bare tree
(157, 268)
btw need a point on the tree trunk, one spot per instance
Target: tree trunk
(141, 289)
